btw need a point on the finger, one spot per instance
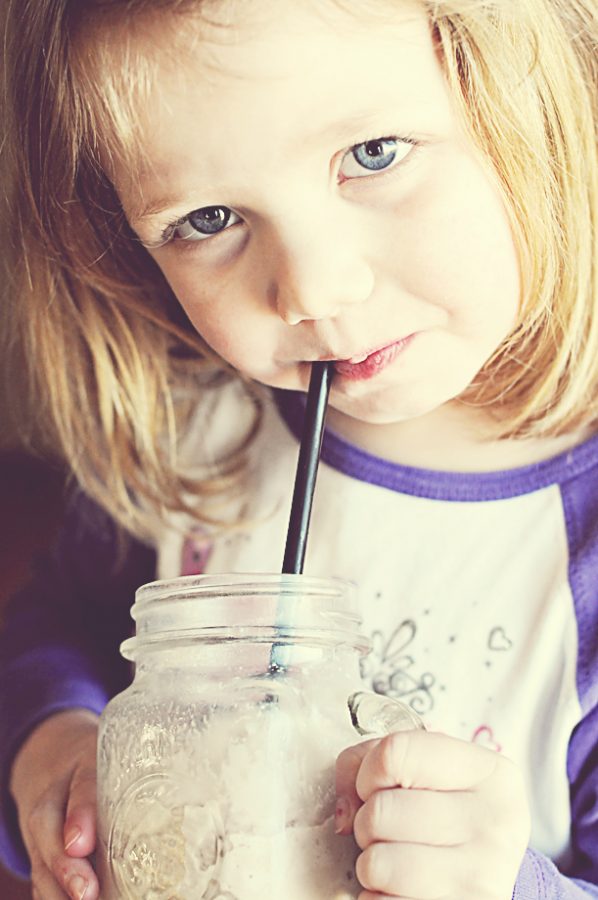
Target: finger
(424, 759)
(83, 882)
(72, 878)
(370, 895)
(410, 870)
(42, 831)
(80, 820)
(348, 764)
(415, 816)
(45, 885)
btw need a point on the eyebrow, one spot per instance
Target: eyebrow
(152, 208)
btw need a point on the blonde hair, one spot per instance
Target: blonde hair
(107, 346)
(113, 365)
(525, 75)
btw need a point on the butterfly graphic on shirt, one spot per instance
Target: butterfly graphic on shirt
(392, 671)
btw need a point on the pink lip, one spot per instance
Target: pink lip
(374, 363)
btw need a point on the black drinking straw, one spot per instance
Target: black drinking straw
(303, 493)
(307, 466)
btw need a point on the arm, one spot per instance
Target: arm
(59, 646)
(539, 878)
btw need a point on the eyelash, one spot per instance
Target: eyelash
(169, 236)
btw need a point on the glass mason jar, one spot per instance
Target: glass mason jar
(216, 766)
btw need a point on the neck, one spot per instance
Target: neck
(450, 438)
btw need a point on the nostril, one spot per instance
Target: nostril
(292, 318)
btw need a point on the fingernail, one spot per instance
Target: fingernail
(72, 835)
(342, 814)
(78, 887)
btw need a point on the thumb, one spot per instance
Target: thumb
(80, 819)
(348, 801)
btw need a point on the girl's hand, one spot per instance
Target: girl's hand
(435, 817)
(53, 783)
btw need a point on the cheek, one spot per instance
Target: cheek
(228, 321)
(460, 254)
(205, 304)
(475, 279)
(226, 333)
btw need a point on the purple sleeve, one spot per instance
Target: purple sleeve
(539, 878)
(59, 644)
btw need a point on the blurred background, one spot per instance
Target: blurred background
(30, 509)
(30, 485)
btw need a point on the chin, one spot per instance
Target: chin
(392, 411)
(384, 410)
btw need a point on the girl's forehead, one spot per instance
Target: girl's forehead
(255, 36)
(228, 35)
(231, 48)
(280, 105)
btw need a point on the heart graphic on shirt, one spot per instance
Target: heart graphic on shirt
(498, 640)
(484, 737)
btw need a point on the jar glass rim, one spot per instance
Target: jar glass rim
(246, 606)
(241, 582)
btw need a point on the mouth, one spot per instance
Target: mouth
(363, 366)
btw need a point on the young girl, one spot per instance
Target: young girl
(205, 198)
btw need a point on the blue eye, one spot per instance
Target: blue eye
(374, 156)
(203, 223)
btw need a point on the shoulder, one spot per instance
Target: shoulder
(92, 547)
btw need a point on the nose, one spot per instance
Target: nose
(318, 277)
